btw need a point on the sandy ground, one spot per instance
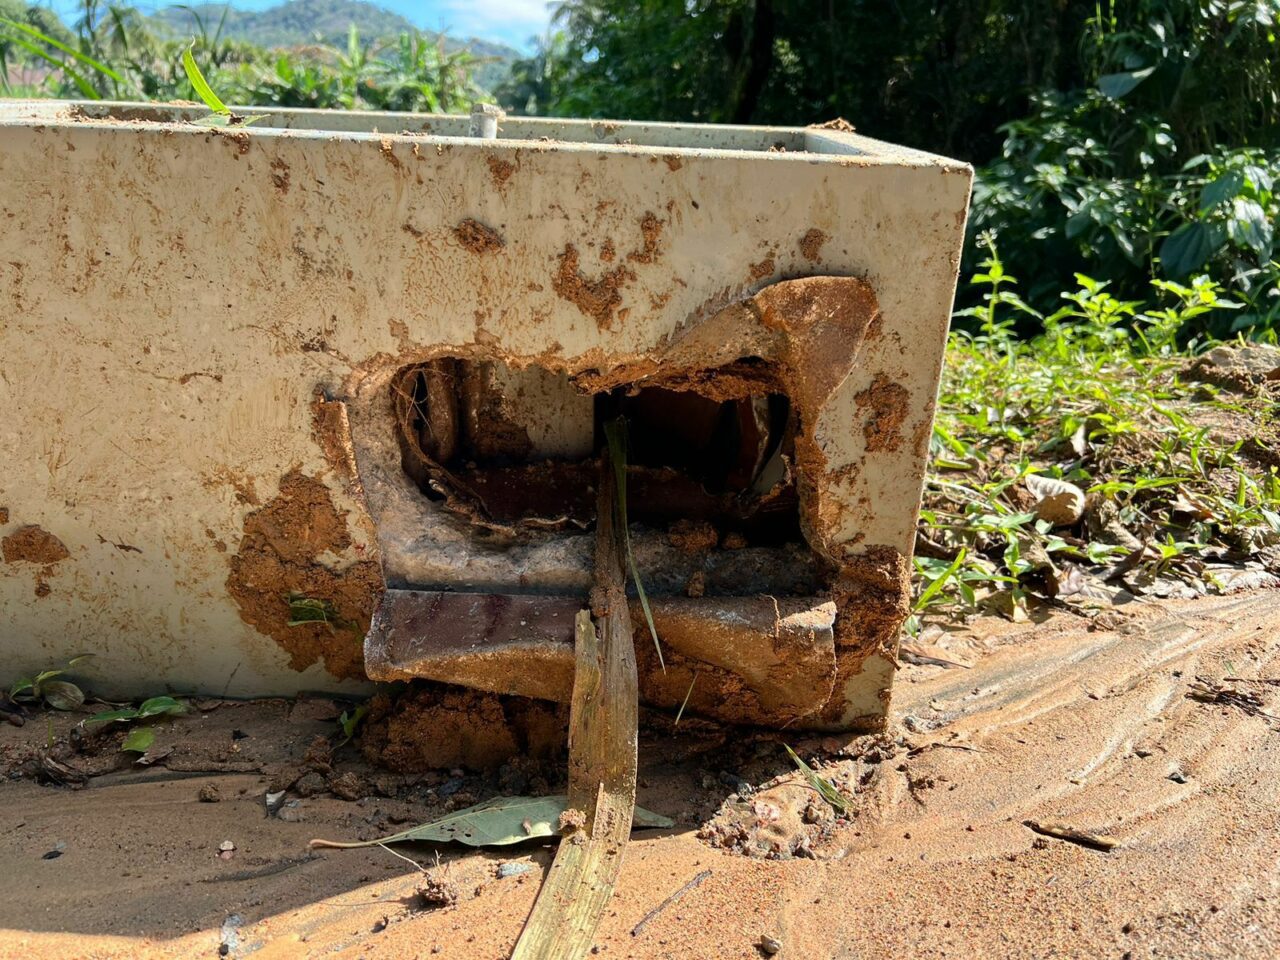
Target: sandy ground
(1093, 728)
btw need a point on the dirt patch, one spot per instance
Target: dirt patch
(673, 162)
(477, 238)
(692, 537)
(1243, 368)
(1072, 724)
(598, 299)
(435, 726)
(4, 515)
(33, 544)
(280, 175)
(811, 244)
(279, 559)
(888, 403)
(388, 151)
(651, 231)
(839, 124)
(237, 137)
(758, 271)
(500, 169)
(872, 596)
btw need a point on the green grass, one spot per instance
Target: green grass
(1095, 399)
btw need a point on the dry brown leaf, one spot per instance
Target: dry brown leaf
(1058, 502)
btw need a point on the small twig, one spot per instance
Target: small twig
(639, 927)
(420, 867)
(1062, 831)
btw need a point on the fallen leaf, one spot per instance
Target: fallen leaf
(1057, 502)
(139, 740)
(494, 823)
(62, 694)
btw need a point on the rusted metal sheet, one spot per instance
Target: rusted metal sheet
(756, 659)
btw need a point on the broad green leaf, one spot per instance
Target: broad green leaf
(1226, 186)
(1249, 226)
(495, 823)
(22, 685)
(111, 716)
(139, 740)
(159, 706)
(1188, 248)
(199, 83)
(62, 695)
(1116, 85)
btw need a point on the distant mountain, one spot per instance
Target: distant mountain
(300, 22)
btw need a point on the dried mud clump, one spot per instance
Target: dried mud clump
(435, 892)
(500, 170)
(280, 558)
(280, 175)
(839, 124)
(888, 403)
(651, 232)
(33, 544)
(693, 536)
(598, 299)
(477, 238)
(388, 151)
(811, 244)
(758, 271)
(871, 595)
(432, 726)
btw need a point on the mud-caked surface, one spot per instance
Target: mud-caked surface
(291, 554)
(433, 725)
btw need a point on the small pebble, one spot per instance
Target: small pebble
(209, 793)
(513, 869)
(769, 946)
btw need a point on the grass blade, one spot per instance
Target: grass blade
(68, 50)
(825, 790)
(684, 703)
(83, 85)
(200, 84)
(933, 588)
(615, 434)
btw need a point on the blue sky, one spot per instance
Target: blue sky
(508, 21)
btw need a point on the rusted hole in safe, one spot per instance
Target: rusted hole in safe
(517, 446)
